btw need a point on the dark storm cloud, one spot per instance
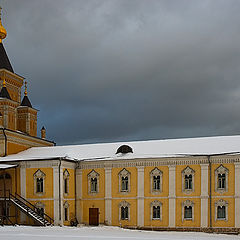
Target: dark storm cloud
(125, 70)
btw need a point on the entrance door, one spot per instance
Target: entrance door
(93, 216)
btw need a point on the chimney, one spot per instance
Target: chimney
(43, 133)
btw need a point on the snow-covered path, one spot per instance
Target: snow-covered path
(95, 233)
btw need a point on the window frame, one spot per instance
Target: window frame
(39, 174)
(66, 210)
(220, 171)
(157, 204)
(221, 203)
(187, 204)
(125, 205)
(66, 176)
(156, 173)
(186, 172)
(93, 175)
(123, 174)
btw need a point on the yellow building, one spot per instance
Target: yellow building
(186, 184)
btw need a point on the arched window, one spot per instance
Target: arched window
(124, 211)
(66, 182)
(156, 210)
(124, 149)
(39, 182)
(221, 179)
(156, 180)
(221, 210)
(187, 210)
(93, 182)
(66, 211)
(188, 180)
(124, 180)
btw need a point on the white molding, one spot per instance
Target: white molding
(155, 203)
(79, 194)
(221, 170)
(108, 196)
(187, 203)
(124, 204)
(154, 173)
(237, 195)
(92, 175)
(204, 195)
(172, 195)
(124, 173)
(187, 172)
(221, 203)
(23, 187)
(140, 196)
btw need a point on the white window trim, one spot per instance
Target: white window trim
(66, 175)
(156, 203)
(124, 173)
(66, 206)
(93, 174)
(220, 170)
(221, 203)
(188, 203)
(188, 171)
(36, 175)
(154, 173)
(124, 204)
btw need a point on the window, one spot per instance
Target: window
(39, 185)
(66, 182)
(124, 211)
(124, 180)
(66, 210)
(93, 182)
(221, 210)
(187, 210)
(188, 180)
(124, 149)
(156, 210)
(156, 180)
(221, 179)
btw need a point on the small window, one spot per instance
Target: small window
(187, 212)
(65, 185)
(124, 184)
(221, 212)
(124, 149)
(93, 184)
(39, 185)
(40, 211)
(188, 182)
(156, 183)
(124, 213)
(221, 181)
(65, 214)
(156, 212)
(66, 181)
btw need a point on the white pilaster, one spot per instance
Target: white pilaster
(79, 194)
(172, 196)
(140, 196)
(108, 196)
(23, 188)
(204, 195)
(237, 195)
(58, 215)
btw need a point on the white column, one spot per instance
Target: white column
(204, 195)
(172, 196)
(108, 196)
(58, 217)
(237, 195)
(140, 196)
(79, 194)
(23, 188)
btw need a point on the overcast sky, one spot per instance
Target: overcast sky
(117, 70)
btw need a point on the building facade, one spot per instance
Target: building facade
(165, 184)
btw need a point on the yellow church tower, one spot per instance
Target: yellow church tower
(18, 119)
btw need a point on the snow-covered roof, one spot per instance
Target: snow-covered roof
(141, 149)
(6, 166)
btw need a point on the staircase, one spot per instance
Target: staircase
(30, 210)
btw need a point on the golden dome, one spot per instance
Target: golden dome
(3, 32)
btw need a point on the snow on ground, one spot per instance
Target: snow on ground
(101, 233)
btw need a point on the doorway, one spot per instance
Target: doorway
(94, 216)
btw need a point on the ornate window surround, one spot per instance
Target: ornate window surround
(154, 173)
(187, 171)
(187, 203)
(36, 175)
(221, 170)
(221, 203)
(156, 203)
(66, 206)
(93, 174)
(124, 204)
(40, 205)
(124, 173)
(66, 176)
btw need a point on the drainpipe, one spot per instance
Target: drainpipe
(59, 188)
(75, 188)
(210, 191)
(5, 145)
